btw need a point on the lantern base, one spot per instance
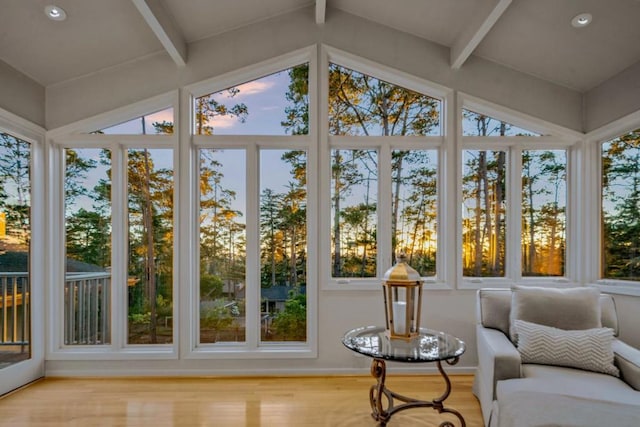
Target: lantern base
(393, 336)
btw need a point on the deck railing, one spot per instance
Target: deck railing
(87, 308)
(14, 309)
(87, 311)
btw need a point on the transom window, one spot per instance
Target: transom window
(158, 123)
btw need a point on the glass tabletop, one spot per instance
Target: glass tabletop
(428, 346)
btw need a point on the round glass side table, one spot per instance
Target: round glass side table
(428, 346)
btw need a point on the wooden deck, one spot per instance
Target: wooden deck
(336, 401)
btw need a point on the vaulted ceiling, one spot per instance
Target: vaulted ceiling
(532, 36)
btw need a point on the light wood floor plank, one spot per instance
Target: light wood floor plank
(340, 401)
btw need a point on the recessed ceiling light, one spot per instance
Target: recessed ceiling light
(55, 13)
(581, 20)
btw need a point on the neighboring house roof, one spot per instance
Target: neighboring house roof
(280, 293)
(19, 262)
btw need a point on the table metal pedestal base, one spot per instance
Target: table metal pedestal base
(380, 392)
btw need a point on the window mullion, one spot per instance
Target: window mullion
(513, 249)
(384, 210)
(585, 259)
(252, 285)
(119, 246)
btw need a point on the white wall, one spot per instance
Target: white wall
(452, 311)
(614, 99)
(20, 95)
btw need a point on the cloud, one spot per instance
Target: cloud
(254, 87)
(223, 122)
(161, 116)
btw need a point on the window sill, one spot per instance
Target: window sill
(376, 285)
(618, 287)
(109, 353)
(234, 352)
(496, 282)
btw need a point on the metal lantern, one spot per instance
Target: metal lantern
(402, 289)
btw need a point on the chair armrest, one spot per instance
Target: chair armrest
(498, 358)
(627, 359)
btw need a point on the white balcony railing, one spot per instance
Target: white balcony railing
(87, 308)
(14, 309)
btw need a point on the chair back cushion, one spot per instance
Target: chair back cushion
(494, 310)
(562, 308)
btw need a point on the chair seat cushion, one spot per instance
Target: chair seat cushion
(555, 396)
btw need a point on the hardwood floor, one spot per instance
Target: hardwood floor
(338, 401)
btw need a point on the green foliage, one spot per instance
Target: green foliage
(360, 104)
(164, 307)
(217, 314)
(210, 286)
(89, 237)
(291, 323)
(297, 122)
(15, 185)
(76, 169)
(140, 318)
(208, 107)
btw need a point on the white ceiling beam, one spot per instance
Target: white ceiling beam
(321, 10)
(476, 32)
(161, 23)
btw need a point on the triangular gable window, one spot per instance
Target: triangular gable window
(476, 124)
(277, 104)
(362, 105)
(158, 123)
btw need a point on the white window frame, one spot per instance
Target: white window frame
(384, 146)
(77, 135)
(252, 347)
(593, 191)
(552, 137)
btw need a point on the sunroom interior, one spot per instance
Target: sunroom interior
(217, 188)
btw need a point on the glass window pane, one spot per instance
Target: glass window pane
(414, 208)
(87, 286)
(363, 105)
(277, 104)
(354, 197)
(544, 202)
(283, 245)
(222, 245)
(150, 277)
(159, 123)
(483, 213)
(475, 124)
(15, 243)
(621, 207)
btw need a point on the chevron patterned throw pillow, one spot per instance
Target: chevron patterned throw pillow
(588, 349)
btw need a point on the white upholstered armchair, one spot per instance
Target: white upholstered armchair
(551, 357)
